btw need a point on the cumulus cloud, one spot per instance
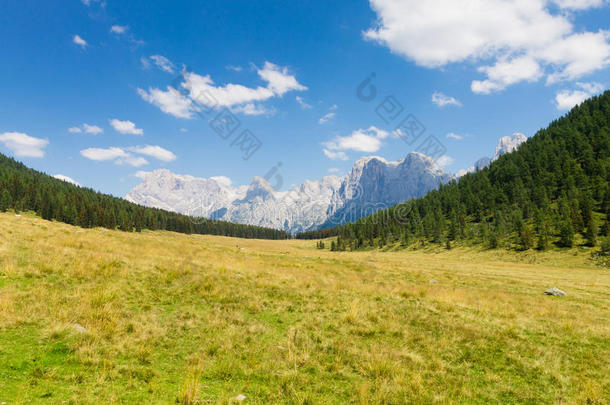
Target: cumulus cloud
(126, 127)
(579, 4)
(141, 174)
(524, 40)
(239, 98)
(118, 29)
(75, 130)
(362, 140)
(279, 81)
(444, 161)
(66, 179)
(79, 41)
(443, 100)
(222, 180)
(23, 145)
(170, 102)
(566, 99)
(506, 73)
(154, 151)
(92, 129)
(252, 109)
(335, 155)
(128, 155)
(100, 154)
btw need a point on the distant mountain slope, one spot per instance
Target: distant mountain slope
(372, 184)
(555, 188)
(23, 188)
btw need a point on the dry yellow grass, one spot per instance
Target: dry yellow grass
(192, 319)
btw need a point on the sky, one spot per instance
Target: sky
(102, 91)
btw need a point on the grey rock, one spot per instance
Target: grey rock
(556, 292)
(80, 328)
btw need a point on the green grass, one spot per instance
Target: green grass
(198, 319)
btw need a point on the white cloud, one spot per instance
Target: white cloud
(145, 63)
(566, 99)
(361, 140)
(579, 4)
(118, 29)
(126, 127)
(445, 161)
(234, 68)
(129, 155)
(170, 101)
(154, 151)
(66, 179)
(443, 100)
(75, 130)
(335, 155)
(163, 63)
(118, 155)
(223, 180)
(578, 54)
(506, 73)
(333, 170)
(252, 109)
(523, 39)
(183, 130)
(326, 117)
(92, 129)
(334, 107)
(237, 97)
(99, 154)
(135, 161)
(452, 135)
(279, 81)
(141, 174)
(302, 103)
(23, 145)
(79, 41)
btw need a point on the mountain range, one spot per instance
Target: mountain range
(372, 184)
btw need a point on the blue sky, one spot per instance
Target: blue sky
(85, 83)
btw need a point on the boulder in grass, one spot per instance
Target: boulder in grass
(556, 292)
(80, 328)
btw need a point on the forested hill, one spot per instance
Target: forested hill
(24, 189)
(554, 190)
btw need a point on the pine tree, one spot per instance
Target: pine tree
(591, 232)
(5, 200)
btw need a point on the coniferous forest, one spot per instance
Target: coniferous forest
(553, 191)
(25, 189)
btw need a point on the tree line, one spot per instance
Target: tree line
(553, 190)
(25, 189)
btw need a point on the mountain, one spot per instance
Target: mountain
(372, 184)
(506, 144)
(57, 198)
(553, 189)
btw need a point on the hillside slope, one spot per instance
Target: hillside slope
(23, 189)
(90, 316)
(554, 189)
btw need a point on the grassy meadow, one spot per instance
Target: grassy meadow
(95, 316)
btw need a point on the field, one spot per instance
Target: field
(97, 316)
